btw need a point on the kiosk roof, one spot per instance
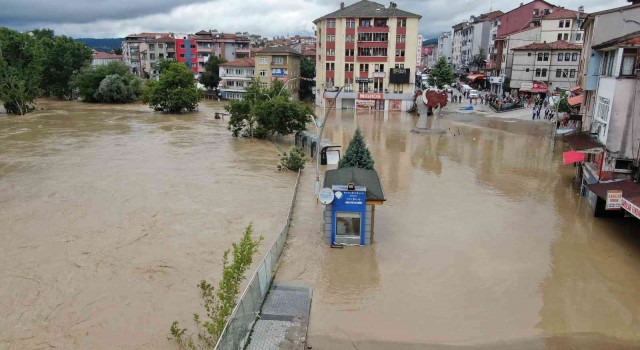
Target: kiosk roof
(359, 177)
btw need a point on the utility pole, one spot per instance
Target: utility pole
(324, 122)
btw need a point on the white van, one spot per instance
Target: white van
(474, 94)
(466, 88)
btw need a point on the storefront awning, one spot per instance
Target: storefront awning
(631, 203)
(575, 89)
(572, 157)
(628, 188)
(575, 101)
(582, 141)
(473, 77)
(535, 87)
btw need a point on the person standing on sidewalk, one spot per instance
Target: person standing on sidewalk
(533, 116)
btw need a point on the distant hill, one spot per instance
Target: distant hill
(432, 41)
(104, 45)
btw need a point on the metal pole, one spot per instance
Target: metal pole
(324, 122)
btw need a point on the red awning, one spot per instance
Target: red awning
(631, 203)
(572, 157)
(538, 87)
(575, 100)
(575, 88)
(476, 76)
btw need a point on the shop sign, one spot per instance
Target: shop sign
(278, 72)
(526, 86)
(365, 104)
(364, 80)
(370, 96)
(614, 200)
(399, 76)
(631, 208)
(496, 80)
(325, 196)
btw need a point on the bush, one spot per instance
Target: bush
(175, 92)
(295, 160)
(116, 88)
(88, 81)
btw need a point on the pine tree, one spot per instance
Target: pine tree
(357, 154)
(441, 74)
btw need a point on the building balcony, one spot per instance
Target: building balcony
(171, 49)
(372, 58)
(373, 29)
(381, 44)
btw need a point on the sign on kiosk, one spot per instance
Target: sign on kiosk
(631, 208)
(614, 200)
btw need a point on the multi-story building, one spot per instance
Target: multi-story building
(279, 62)
(236, 76)
(562, 24)
(456, 46)
(540, 68)
(229, 46)
(475, 36)
(529, 35)
(369, 50)
(102, 58)
(131, 49)
(444, 46)
(153, 50)
(523, 17)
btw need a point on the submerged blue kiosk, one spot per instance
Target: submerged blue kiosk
(350, 195)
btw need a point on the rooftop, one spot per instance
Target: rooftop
(279, 49)
(240, 62)
(631, 39)
(366, 8)
(562, 13)
(104, 55)
(359, 177)
(556, 45)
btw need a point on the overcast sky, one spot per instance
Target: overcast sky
(118, 18)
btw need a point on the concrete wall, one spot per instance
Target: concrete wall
(520, 17)
(612, 25)
(624, 119)
(551, 28)
(368, 225)
(517, 40)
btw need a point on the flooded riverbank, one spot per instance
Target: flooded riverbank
(110, 215)
(483, 243)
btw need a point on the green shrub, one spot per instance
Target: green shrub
(295, 160)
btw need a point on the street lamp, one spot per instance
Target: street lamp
(318, 149)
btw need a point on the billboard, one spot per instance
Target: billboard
(399, 76)
(278, 72)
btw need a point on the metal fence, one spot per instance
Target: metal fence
(236, 332)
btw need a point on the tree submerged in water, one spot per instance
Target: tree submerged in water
(357, 154)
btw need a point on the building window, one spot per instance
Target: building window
(182, 46)
(365, 22)
(540, 57)
(263, 85)
(544, 72)
(330, 66)
(348, 52)
(538, 72)
(578, 36)
(567, 23)
(263, 73)
(364, 67)
(527, 70)
(349, 38)
(565, 36)
(331, 38)
(192, 46)
(399, 53)
(348, 224)
(398, 88)
(560, 56)
(402, 22)
(331, 52)
(546, 57)
(574, 56)
(264, 60)
(378, 68)
(377, 37)
(278, 60)
(529, 54)
(558, 73)
(399, 65)
(238, 71)
(400, 38)
(572, 73)
(601, 115)
(629, 58)
(348, 67)
(608, 61)
(351, 23)
(561, 24)
(331, 23)
(536, 12)
(372, 51)
(160, 46)
(181, 55)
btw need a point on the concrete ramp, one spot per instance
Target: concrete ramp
(284, 319)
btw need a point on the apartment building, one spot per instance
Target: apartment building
(279, 62)
(102, 58)
(229, 46)
(444, 46)
(456, 46)
(153, 50)
(540, 68)
(131, 49)
(236, 76)
(562, 24)
(369, 49)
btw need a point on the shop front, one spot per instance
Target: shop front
(535, 88)
(373, 101)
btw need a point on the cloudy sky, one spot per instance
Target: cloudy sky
(118, 18)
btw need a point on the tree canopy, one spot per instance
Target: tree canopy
(308, 71)
(87, 81)
(267, 111)
(357, 154)
(478, 61)
(441, 73)
(118, 88)
(175, 92)
(211, 78)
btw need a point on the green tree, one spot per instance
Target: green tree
(441, 73)
(308, 71)
(175, 92)
(219, 304)
(357, 154)
(63, 58)
(294, 160)
(267, 111)
(564, 103)
(87, 81)
(478, 61)
(211, 78)
(21, 66)
(117, 88)
(117, 51)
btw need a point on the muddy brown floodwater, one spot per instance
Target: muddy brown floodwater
(110, 216)
(483, 243)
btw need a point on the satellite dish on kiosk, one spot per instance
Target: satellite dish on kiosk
(325, 196)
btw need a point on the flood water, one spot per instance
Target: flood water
(111, 215)
(483, 243)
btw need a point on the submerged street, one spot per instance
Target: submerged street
(483, 242)
(109, 217)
